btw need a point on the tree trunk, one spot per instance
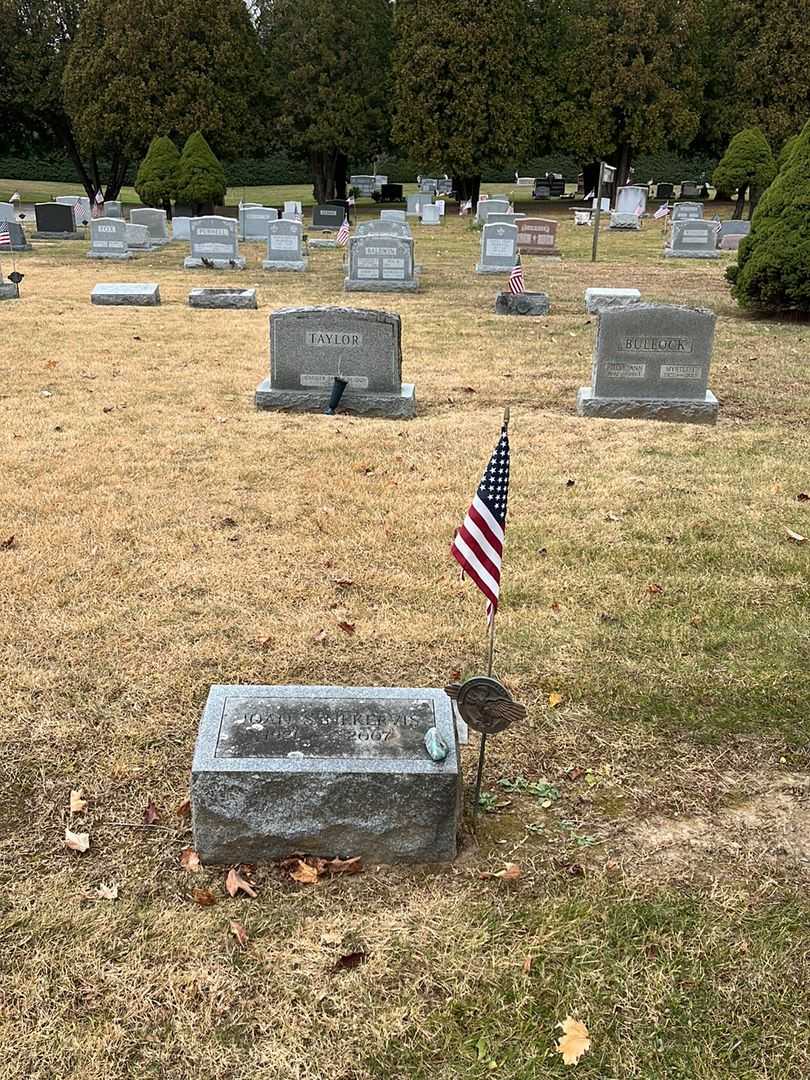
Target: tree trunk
(468, 187)
(622, 162)
(167, 206)
(323, 164)
(738, 209)
(341, 168)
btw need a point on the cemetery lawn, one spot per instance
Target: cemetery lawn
(157, 535)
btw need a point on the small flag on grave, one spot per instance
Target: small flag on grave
(662, 211)
(343, 234)
(5, 235)
(517, 285)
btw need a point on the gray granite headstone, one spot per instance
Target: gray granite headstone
(490, 206)
(214, 241)
(597, 300)
(138, 237)
(126, 294)
(55, 222)
(113, 209)
(430, 214)
(222, 298)
(651, 362)
(393, 215)
(8, 290)
(154, 220)
(181, 228)
(284, 252)
(695, 239)
(381, 264)
(327, 216)
(631, 205)
(689, 189)
(253, 221)
(383, 227)
(732, 227)
(498, 249)
(414, 204)
(527, 303)
(364, 184)
(686, 211)
(324, 770)
(80, 208)
(311, 346)
(428, 185)
(7, 212)
(18, 238)
(108, 239)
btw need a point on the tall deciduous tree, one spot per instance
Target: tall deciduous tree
(747, 166)
(141, 66)
(629, 78)
(328, 73)
(463, 71)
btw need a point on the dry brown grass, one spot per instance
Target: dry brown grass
(127, 593)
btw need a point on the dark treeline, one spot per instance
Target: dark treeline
(464, 87)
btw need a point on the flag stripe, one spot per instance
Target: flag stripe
(484, 555)
(463, 555)
(489, 545)
(494, 527)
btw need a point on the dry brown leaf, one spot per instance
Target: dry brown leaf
(77, 804)
(797, 538)
(345, 866)
(342, 582)
(554, 699)
(527, 965)
(190, 860)
(107, 892)
(574, 1040)
(655, 589)
(511, 872)
(9, 543)
(77, 841)
(240, 933)
(347, 627)
(150, 813)
(350, 960)
(320, 637)
(234, 882)
(304, 873)
(576, 773)
(204, 897)
(803, 496)
(183, 809)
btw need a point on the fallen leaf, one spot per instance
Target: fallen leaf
(655, 589)
(610, 516)
(803, 496)
(576, 773)
(51, 363)
(347, 627)
(107, 892)
(570, 483)
(574, 1040)
(229, 523)
(150, 813)
(455, 676)
(554, 699)
(608, 617)
(77, 803)
(345, 866)
(468, 389)
(190, 860)
(183, 809)
(342, 582)
(511, 872)
(542, 552)
(527, 965)
(204, 897)
(304, 873)
(797, 538)
(350, 960)
(77, 841)
(108, 408)
(9, 543)
(320, 637)
(234, 882)
(240, 933)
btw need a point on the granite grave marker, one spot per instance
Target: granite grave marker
(537, 236)
(108, 239)
(381, 263)
(498, 249)
(154, 220)
(284, 239)
(214, 243)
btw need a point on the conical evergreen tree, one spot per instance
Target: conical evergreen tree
(200, 177)
(747, 166)
(156, 182)
(772, 272)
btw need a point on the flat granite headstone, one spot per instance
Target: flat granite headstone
(284, 239)
(498, 249)
(55, 222)
(17, 235)
(693, 239)
(154, 220)
(214, 243)
(597, 300)
(138, 237)
(527, 303)
(108, 239)
(381, 264)
(127, 294)
(222, 298)
(310, 346)
(537, 236)
(651, 362)
(325, 770)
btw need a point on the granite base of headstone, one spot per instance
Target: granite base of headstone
(651, 362)
(622, 220)
(527, 303)
(322, 242)
(312, 346)
(597, 300)
(326, 771)
(222, 298)
(127, 294)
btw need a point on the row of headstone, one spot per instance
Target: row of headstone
(366, 184)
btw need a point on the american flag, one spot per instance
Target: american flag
(516, 283)
(5, 235)
(343, 234)
(662, 211)
(465, 207)
(478, 544)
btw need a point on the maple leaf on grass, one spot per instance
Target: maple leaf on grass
(574, 1040)
(305, 873)
(77, 841)
(204, 897)
(345, 866)
(235, 883)
(240, 933)
(190, 860)
(77, 804)
(150, 813)
(183, 809)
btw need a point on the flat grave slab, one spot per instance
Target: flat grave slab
(126, 294)
(325, 770)
(528, 303)
(597, 300)
(222, 298)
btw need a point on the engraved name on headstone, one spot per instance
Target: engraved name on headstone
(498, 249)
(215, 240)
(108, 239)
(380, 263)
(693, 239)
(537, 236)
